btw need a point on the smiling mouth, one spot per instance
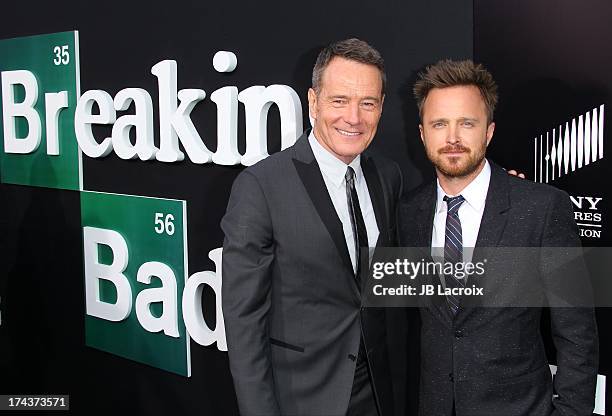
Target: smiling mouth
(348, 133)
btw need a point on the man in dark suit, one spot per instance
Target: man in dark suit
(299, 341)
(490, 360)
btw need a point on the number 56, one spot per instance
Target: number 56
(164, 224)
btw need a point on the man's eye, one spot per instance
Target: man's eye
(338, 102)
(368, 104)
(468, 124)
(438, 125)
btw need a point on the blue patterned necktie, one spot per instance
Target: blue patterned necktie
(453, 248)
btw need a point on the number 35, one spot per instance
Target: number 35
(62, 56)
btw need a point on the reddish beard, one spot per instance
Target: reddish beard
(456, 166)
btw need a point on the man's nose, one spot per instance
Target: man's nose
(453, 134)
(352, 114)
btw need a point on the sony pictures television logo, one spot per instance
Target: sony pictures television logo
(566, 149)
(588, 215)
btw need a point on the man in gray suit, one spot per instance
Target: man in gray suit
(299, 341)
(491, 360)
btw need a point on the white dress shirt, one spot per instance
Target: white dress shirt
(333, 170)
(470, 214)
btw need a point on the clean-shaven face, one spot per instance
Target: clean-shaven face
(347, 107)
(455, 130)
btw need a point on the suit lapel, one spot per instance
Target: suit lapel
(497, 203)
(493, 221)
(424, 223)
(376, 192)
(312, 179)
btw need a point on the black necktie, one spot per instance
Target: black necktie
(360, 235)
(453, 248)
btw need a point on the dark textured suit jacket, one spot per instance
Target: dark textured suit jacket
(491, 361)
(291, 304)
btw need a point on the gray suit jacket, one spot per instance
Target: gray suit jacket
(291, 304)
(491, 361)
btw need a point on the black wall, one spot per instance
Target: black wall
(552, 63)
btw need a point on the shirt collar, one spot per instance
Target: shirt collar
(475, 194)
(332, 167)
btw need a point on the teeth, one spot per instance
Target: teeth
(347, 133)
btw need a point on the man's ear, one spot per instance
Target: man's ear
(490, 130)
(421, 131)
(312, 103)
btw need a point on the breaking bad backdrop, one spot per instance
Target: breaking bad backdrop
(51, 341)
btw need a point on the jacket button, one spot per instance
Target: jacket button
(450, 377)
(459, 334)
(352, 357)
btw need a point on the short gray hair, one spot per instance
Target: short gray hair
(352, 49)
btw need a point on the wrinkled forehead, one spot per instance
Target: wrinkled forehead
(351, 76)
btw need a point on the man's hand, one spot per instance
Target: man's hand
(515, 173)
